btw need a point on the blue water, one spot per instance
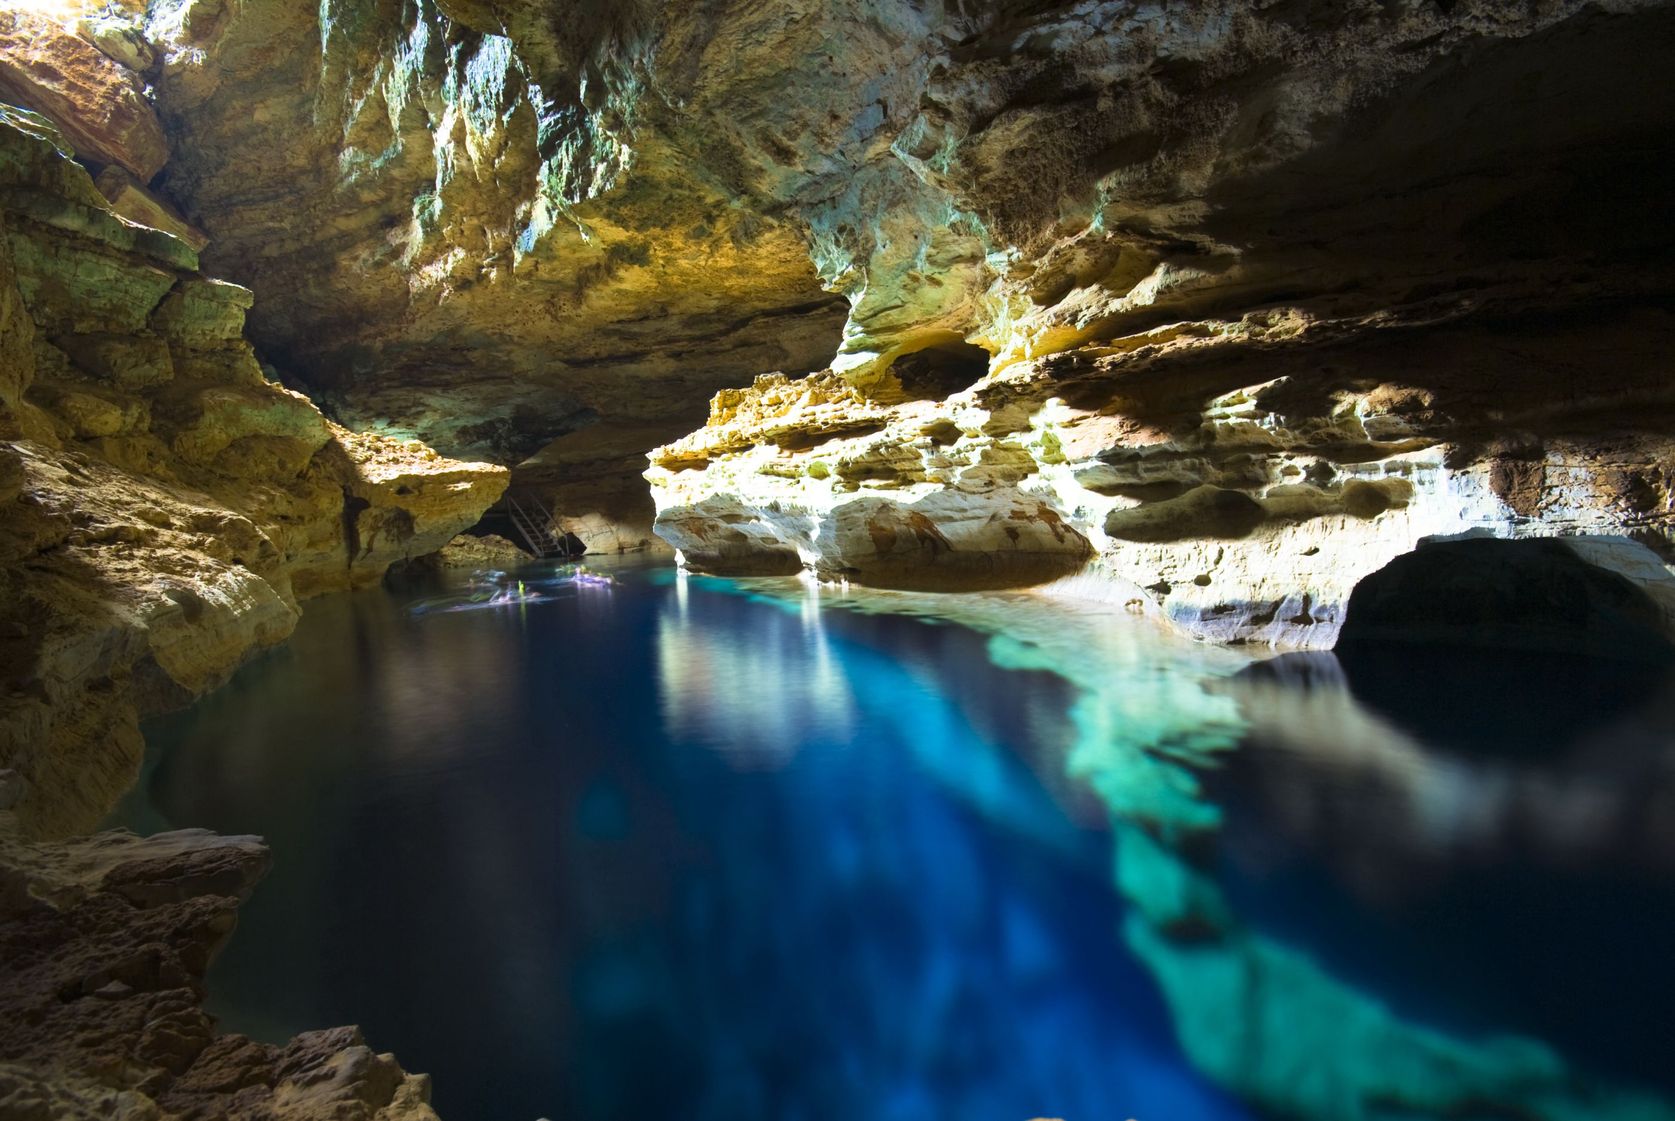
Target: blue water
(665, 847)
(657, 850)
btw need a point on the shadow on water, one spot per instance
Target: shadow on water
(683, 847)
(1487, 837)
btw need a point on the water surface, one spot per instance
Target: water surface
(686, 848)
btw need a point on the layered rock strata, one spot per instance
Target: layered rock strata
(1259, 295)
(1243, 474)
(166, 503)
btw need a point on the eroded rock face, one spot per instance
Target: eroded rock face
(1026, 179)
(105, 942)
(1245, 474)
(488, 551)
(1259, 295)
(447, 241)
(100, 104)
(166, 504)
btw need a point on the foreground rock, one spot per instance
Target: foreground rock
(103, 946)
(164, 504)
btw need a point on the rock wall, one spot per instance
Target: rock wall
(105, 942)
(1243, 475)
(1252, 299)
(165, 503)
(1235, 300)
(447, 241)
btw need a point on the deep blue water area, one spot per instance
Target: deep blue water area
(667, 847)
(659, 851)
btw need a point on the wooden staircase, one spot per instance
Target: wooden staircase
(535, 524)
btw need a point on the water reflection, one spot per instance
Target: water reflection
(1520, 878)
(677, 853)
(761, 849)
(1298, 996)
(757, 694)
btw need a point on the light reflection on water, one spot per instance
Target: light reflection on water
(698, 848)
(756, 701)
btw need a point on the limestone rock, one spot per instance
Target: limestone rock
(1029, 180)
(129, 198)
(472, 268)
(165, 503)
(591, 481)
(99, 103)
(105, 942)
(488, 551)
(1245, 475)
(505, 226)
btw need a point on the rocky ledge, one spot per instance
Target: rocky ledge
(1244, 474)
(104, 942)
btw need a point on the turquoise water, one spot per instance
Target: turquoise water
(673, 847)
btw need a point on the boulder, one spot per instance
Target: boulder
(99, 104)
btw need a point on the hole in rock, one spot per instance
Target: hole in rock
(940, 370)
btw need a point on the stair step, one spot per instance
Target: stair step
(536, 526)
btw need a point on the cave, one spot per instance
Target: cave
(940, 371)
(609, 562)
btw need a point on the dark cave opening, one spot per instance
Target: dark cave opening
(940, 370)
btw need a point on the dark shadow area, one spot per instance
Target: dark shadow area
(1464, 811)
(1513, 646)
(1202, 512)
(938, 371)
(1485, 593)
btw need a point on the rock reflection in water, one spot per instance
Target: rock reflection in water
(1275, 991)
(1510, 870)
(713, 849)
(673, 852)
(753, 695)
